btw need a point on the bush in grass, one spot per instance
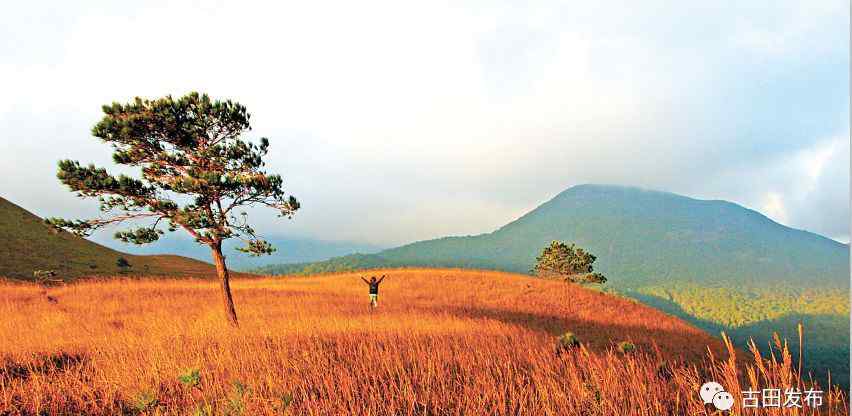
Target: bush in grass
(123, 265)
(284, 402)
(626, 347)
(236, 404)
(566, 342)
(205, 409)
(190, 378)
(145, 401)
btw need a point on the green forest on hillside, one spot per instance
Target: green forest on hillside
(758, 313)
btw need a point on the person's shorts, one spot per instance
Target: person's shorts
(374, 297)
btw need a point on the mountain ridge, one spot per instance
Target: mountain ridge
(413, 253)
(626, 227)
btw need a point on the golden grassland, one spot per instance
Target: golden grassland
(442, 342)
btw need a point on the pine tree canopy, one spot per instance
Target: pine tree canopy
(572, 263)
(196, 171)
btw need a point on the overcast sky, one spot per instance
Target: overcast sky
(399, 121)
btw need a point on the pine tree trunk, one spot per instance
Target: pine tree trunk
(224, 277)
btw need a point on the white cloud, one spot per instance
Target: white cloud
(814, 161)
(396, 121)
(807, 189)
(787, 27)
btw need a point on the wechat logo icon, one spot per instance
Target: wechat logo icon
(713, 392)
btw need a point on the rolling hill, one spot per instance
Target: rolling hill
(27, 245)
(453, 342)
(714, 263)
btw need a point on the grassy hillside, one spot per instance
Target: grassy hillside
(27, 244)
(442, 342)
(717, 264)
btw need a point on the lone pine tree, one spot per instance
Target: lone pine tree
(196, 170)
(572, 263)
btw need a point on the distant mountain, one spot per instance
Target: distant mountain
(641, 237)
(715, 263)
(295, 250)
(27, 245)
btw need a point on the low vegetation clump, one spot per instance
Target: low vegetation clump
(123, 265)
(626, 347)
(442, 342)
(145, 401)
(566, 342)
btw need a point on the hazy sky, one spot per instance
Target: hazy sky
(398, 121)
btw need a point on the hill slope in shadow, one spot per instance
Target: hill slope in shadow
(27, 245)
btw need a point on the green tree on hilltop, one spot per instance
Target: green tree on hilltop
(571, 263)
(196, 170)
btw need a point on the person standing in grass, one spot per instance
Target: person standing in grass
(374, 289)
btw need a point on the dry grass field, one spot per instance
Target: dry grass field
(442, 342)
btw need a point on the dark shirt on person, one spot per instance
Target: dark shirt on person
(374, 284)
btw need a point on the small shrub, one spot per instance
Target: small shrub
(284, 402)
(236, 406)
(145, 401)
(566, 342)
(595, 392)
(203, 410)
(626, 347)
(191, 378)
(123, 264)
(240, 388)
